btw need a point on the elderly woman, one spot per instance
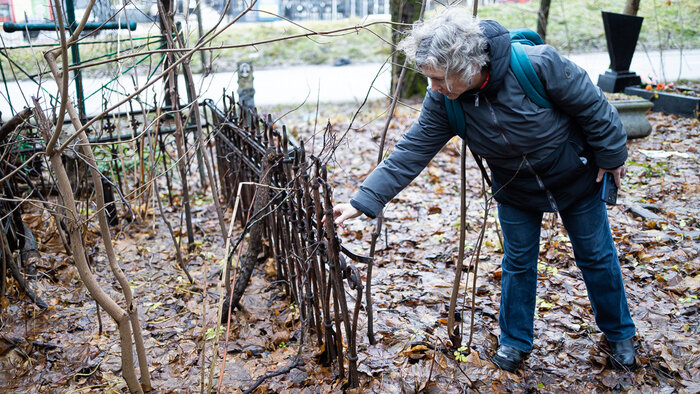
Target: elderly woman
(541, 160)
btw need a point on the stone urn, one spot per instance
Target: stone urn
(633, 114)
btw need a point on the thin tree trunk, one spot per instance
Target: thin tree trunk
(164, 10)
(405, 11)
(74, 231)
(179, 133)
(200, 32)
(194, 109)
(3, 270)
(631, 7)
(178, 250)
(201, 146)
(262, 197)
(397, 92)
(543, 19)
(131, 306)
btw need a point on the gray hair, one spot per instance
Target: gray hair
(451, 40)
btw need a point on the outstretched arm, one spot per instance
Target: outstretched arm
(410, 156)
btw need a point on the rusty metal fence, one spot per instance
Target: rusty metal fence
(307, 252)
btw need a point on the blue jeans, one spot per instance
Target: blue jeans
(586, 221)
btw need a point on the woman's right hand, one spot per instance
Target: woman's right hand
(342, 212)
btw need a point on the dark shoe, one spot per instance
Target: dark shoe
(622, 354)
(508, 358)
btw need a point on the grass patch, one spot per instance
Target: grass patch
(576, 25)
(362, 45)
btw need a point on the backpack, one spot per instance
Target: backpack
(524, 73)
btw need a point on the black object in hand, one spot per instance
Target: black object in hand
(609, 190)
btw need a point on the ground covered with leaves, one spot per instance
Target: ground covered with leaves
(67, 348)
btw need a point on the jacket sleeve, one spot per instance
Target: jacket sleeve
(572, 91)
(411, 155)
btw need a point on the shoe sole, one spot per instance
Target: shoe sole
(622, 367)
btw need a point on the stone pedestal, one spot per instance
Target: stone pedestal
(616, 81)
(621, 34)
(633, 114)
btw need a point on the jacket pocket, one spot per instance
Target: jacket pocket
(565, 166)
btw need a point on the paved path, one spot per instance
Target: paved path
(350, 83)
(294, 85)
(676, 65)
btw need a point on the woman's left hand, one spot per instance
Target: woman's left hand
(618, 174)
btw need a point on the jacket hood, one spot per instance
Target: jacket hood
(498, 49)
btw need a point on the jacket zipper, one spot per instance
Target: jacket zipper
(540, 184)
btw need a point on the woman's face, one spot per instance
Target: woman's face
(439, 84)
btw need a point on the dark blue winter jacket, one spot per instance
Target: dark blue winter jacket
(542, 159)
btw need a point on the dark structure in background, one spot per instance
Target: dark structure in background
(621, 34)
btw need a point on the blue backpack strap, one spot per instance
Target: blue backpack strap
(455, 116)
(526, 75)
